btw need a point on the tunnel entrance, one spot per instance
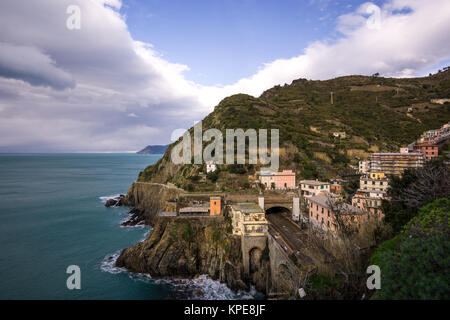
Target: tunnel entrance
(278, 209)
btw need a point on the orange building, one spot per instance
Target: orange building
(215, 206)
(429, 150)
(335, 188)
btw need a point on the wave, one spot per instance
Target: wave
(202, 287)
(106, 198)
(205, 288)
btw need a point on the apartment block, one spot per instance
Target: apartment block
(248, 219)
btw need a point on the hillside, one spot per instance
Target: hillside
(156, 149)
(376, 114)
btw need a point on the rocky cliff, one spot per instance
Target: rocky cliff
(184, 248)
(147, 199)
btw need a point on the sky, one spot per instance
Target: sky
(135, 71)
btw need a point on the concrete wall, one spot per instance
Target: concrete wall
(286, 277)
(247, 244)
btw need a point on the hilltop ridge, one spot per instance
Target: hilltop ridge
(325, 126)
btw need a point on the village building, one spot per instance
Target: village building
(313, 187)
(429, 150)
(194, 211)
(335, 188)
(248, 219)
(374, 181)
(342, 135)
(321, 214)
(364, 166)
(395, 163)
(404, 150)
(214, 208)
(369, 201)
(435, 136)
(285, 179)
(211, 166)
(267, 179)
(278, 180)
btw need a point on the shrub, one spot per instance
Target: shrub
(415, 264)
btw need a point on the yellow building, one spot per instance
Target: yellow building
(377, 175)
(248, 219)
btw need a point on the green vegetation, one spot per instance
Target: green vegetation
(229, 226)
(188, 233)
(413, 190)
(415, 264)
(372, 111)
(322, 287)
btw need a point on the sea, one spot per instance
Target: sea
(52, 216)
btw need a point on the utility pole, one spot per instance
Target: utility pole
(331, 97)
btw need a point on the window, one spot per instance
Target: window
(328, 224)
(322, 210)
(321, 187)
(317, 217)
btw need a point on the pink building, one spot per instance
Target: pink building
(285, 179)
(278, 180)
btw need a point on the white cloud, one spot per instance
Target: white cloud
(72, 90)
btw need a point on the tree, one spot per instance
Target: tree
(413, 190)
(213, 175)
(415, 264)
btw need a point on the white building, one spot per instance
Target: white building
(210, 166)
(404, 150)
(313, 187)
(364, 166)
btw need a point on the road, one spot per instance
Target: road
(291, 235)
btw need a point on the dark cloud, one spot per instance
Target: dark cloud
(30, 65)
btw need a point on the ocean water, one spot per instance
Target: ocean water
(52, 215)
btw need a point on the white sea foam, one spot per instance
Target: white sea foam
(200, 288)
(106, 198)
(205, 288)
(108, 264)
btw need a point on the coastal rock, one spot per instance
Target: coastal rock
(147, 199)
(187, 248)
(115, 202)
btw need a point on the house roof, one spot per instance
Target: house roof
(314, 182)
(324, 200)
(247, 208)
(194, 210)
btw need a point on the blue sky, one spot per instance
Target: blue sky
(224, 41)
